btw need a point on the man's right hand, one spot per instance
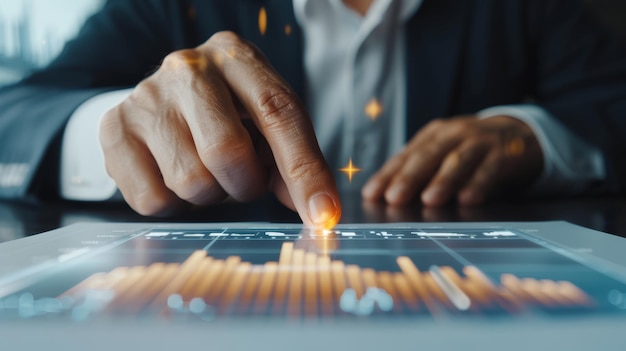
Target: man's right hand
(181, 137)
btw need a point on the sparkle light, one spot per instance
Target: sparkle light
(350, 170)
(373, 109)
(287, 29)
(262, 20)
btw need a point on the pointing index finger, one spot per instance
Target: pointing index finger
(281, 118)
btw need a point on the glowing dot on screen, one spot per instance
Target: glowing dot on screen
(262, 20)
(288, 30)
(175, 302)
(350, 170)
(197, 305)
(373, 109)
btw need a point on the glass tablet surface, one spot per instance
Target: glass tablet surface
(401, 272)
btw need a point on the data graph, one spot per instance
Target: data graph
(291, 273)
(305, 284)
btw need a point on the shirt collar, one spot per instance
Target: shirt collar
(407, 8)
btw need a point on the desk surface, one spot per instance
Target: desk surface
(606, 214)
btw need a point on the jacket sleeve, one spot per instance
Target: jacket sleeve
(581, 78)
(117, 47)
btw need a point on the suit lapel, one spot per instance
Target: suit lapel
(434, 37)
(282, 41)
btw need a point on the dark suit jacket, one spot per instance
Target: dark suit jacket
(463, 56)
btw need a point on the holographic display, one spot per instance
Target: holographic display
(294, 273)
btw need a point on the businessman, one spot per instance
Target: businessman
(189, 102)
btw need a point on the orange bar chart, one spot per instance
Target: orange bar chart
(307, 284)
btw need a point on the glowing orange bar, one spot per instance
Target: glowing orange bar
(337, 269)
(369, 278)
(207, 281)
(232, 288)
(354, 279)
(106, 281)
(414, 278)
(147, 295)
(385, 282)
(114, 277)
(323, 260)
(326, 288)
(94, 279)
(286, 251)
(452, 275)
(134, 275)
(186, 269)
(282, 281)
(189, 289)
(473, 291)
(483, 290)
(124, 300)
(533, 288)
(513, 285)
(435, 290)
(310, 284)
(573, 293)
(509, 301)
(247, 292)
(265, 288)
(550, 289)
(222, 280)
(294, 305)
(405, 291)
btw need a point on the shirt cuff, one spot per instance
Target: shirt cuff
(571, 165)
(83, 174)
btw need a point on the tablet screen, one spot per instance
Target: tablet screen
(292, 273)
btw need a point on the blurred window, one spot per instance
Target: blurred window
(33, 32)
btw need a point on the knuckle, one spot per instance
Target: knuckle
(437, 123)
(303, 168)
(427, 153)
(279, 108)
(191, 185)
(174, 58)
(190, 60)
(458, 127)
(228, 146)
(112, 128)
(225, 38)
(232, 45)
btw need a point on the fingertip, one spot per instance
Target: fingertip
(372, 190)
(396, 195)
(324, 210)
(470, 197)
(434, 196)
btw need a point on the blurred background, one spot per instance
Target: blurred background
(33, 32)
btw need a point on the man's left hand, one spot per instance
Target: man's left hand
(464, 157)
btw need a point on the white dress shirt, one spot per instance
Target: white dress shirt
(356, 94)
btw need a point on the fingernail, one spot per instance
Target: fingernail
(369, 190)
(395, 193)
(322, 210)
(432, 195)
(470, 197)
